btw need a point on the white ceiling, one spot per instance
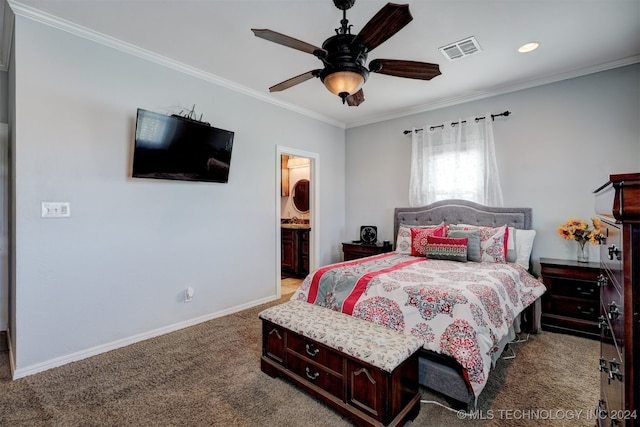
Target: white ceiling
(212, 39)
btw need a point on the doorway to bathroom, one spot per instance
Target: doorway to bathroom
(297, 235)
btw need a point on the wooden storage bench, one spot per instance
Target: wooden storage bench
(366, 371)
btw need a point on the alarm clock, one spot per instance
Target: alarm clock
(369, 234)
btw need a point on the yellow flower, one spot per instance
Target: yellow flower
(578, 230)
(577, 224)
(565, 233)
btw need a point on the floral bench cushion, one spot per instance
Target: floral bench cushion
(377, 345)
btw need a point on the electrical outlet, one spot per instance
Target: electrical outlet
(56, 209)
(188, 294)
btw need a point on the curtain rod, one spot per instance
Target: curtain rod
(493, 116)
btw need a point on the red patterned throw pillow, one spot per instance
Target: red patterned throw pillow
(447, 248)
(493, 241)
(403, 242)
(419, 238)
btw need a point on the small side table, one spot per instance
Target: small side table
(360, 250)
(571, 304)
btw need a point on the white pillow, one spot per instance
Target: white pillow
(524, 244)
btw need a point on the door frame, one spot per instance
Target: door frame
(314, 203)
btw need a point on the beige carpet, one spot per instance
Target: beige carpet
(209, 375)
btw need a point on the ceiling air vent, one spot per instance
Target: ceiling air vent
(461, 48)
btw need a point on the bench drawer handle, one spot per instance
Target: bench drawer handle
(311, 352)
(310, 375)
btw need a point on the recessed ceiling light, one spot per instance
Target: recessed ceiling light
(528, 47)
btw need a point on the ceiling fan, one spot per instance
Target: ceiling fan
(344, 55)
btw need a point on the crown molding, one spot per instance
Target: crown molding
(500, 90)
(112, 42)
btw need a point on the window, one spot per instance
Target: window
(455, 162)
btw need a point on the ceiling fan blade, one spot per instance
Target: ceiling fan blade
(356, 99)
(285, 40)
(294, 81)
(388, 21)
(408, 69)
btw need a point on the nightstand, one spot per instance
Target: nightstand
(360, 250)
(571, 304)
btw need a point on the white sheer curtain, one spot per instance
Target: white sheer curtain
(455, 162)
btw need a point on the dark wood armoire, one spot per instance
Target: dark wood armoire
(618, 207)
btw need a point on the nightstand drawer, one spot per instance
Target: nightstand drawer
(576, 309)
(570, 271)
(576, 288)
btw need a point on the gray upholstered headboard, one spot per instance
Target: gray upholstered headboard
(461, 212)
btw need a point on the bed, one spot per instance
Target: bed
(465, 306)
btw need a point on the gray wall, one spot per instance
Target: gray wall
(561, 143)
(115, 271)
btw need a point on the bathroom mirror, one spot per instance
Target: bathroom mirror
(300, 196)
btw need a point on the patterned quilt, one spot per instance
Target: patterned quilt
(459, 309)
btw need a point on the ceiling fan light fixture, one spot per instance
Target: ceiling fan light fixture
(344, 55)
(343, 83)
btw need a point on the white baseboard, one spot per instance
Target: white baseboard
(103, 348)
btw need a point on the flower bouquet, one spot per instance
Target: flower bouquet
(579, 230)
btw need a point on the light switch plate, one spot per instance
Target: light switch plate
(56, 209)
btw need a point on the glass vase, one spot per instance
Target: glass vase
(583, 252)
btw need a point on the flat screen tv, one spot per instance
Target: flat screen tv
(176, 147)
